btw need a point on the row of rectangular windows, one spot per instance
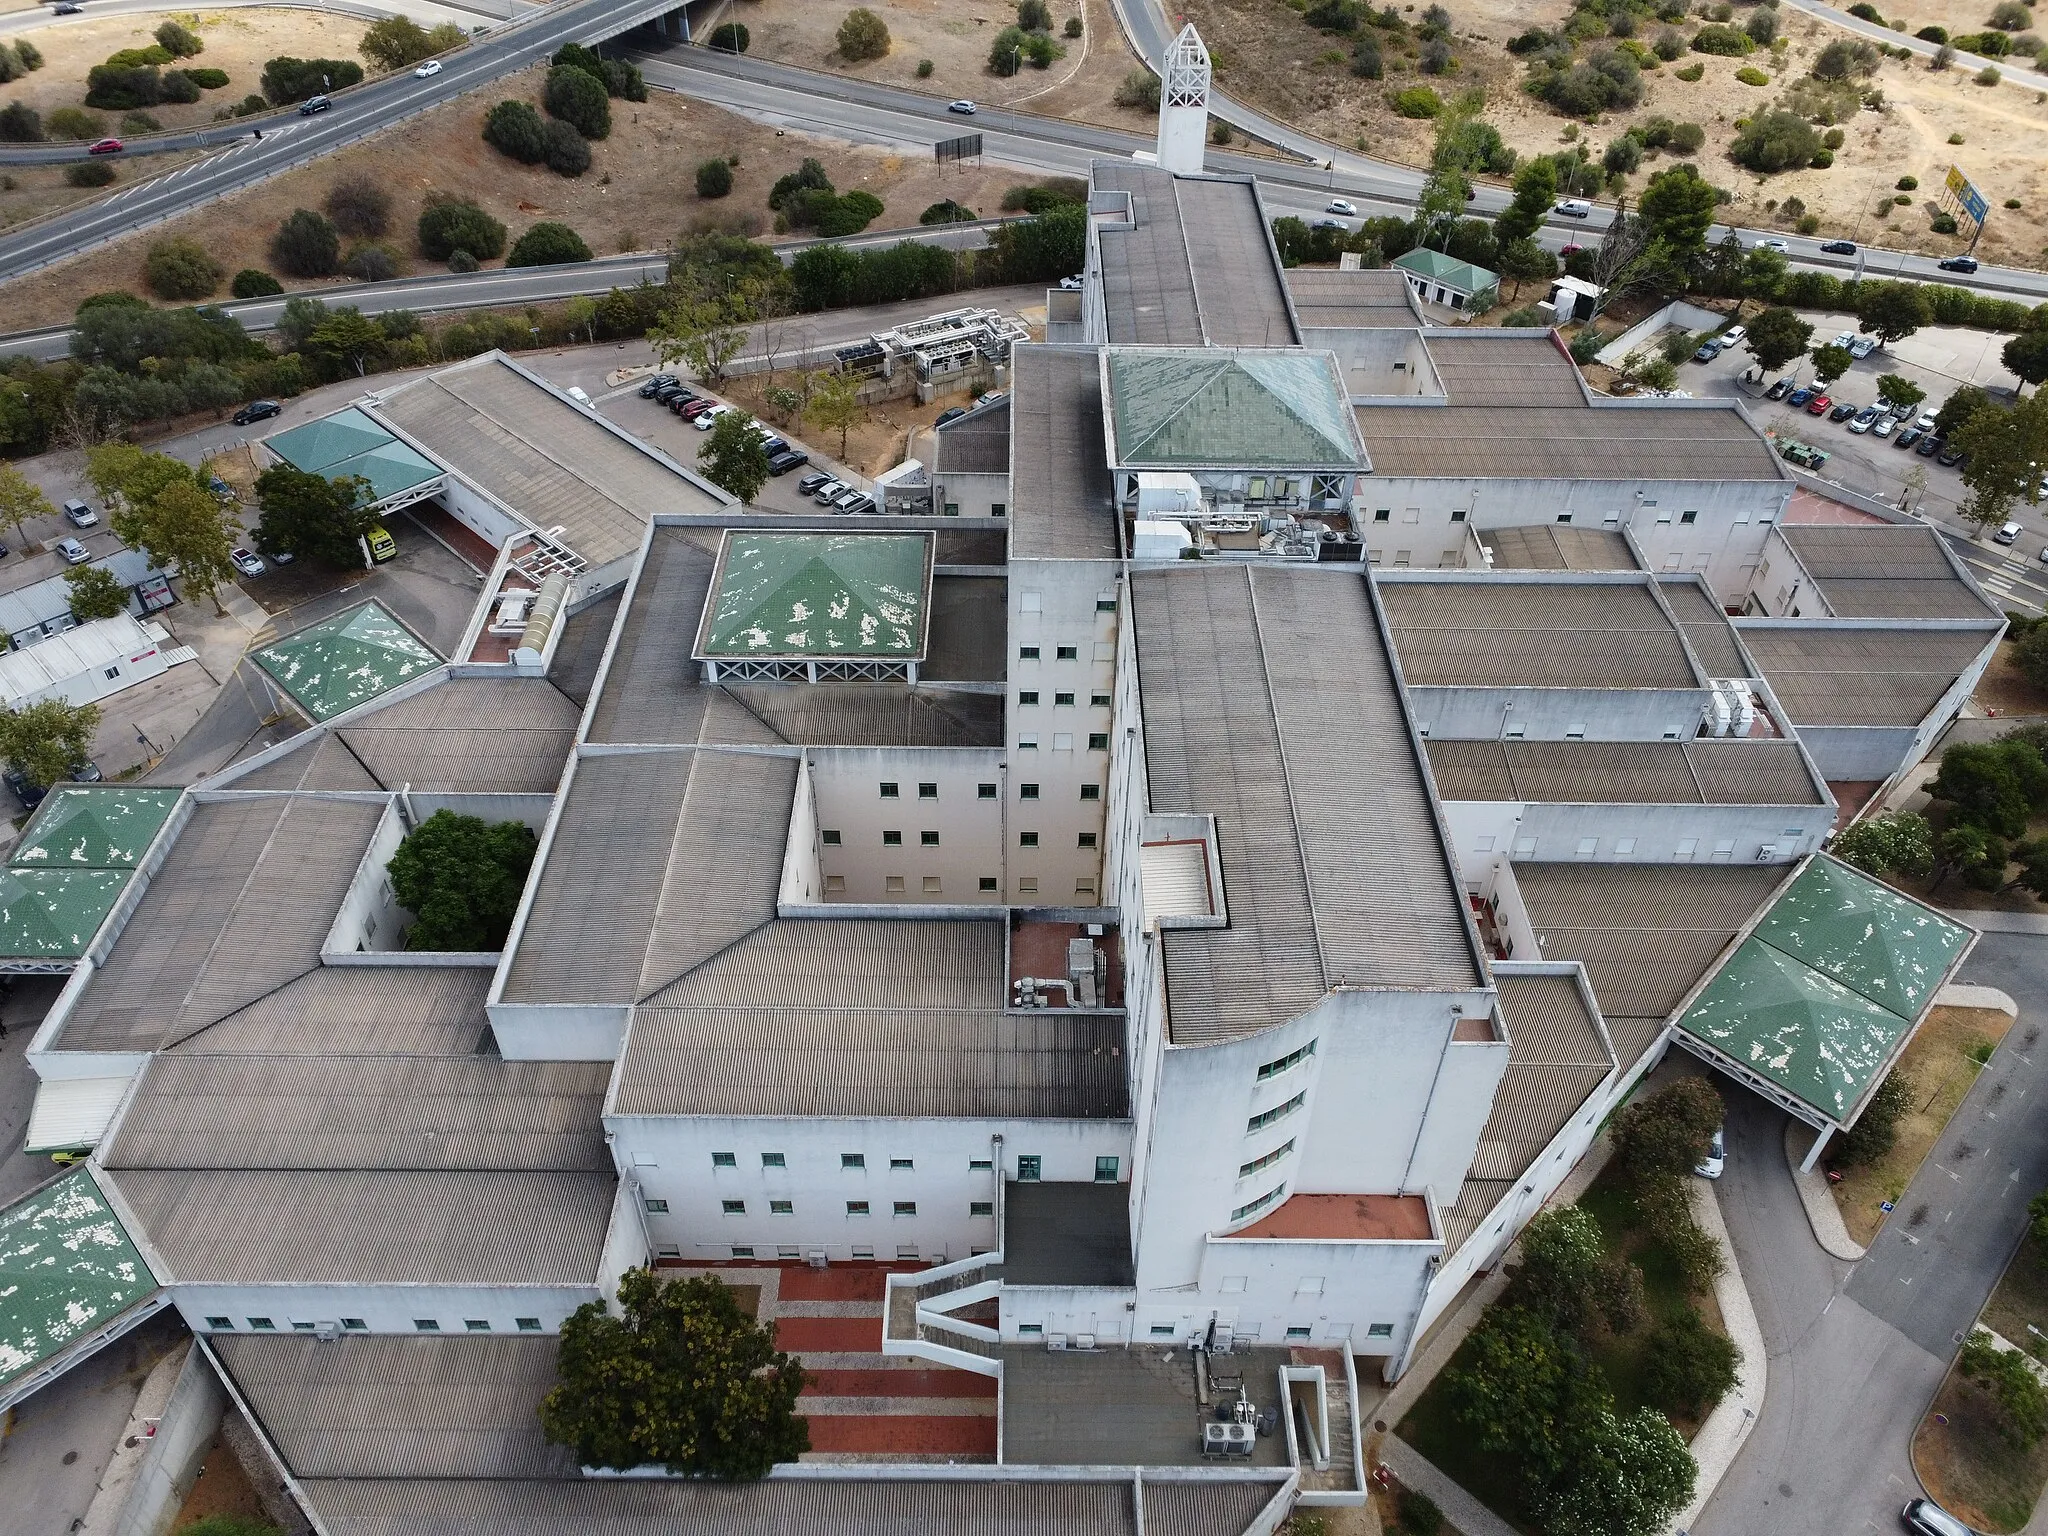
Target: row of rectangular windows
(894, 791)
(1257, 1204)
(934, 885)
(744, 1251)
(1611, 520)
(986, 791)
(1299, 1331)
(1060, 653)
(1063, 741)
(1246, 1170)
(892, 837)
(1028, 1166)
(1275, 1068)
(1029, 696)
(359, 1325)
(853, 1207)
(1278, 1112)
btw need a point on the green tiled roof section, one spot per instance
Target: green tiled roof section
(52, 914)
(66, 1267)
(320, 445)
(98, 826)
(1864, 935)
(343, 661)
(389, 469)
(819, 594)
(1284, 410)
(1448, 270)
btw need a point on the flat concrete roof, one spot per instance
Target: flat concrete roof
(1346, 1218)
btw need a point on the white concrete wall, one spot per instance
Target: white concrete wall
(965, 495)
(559, 1031)
(1339, 1291)
(853, 816)
(1055, 605)
(1634, 834)
(385, 1308)
(370, 919)
(1069, 1310)
(170, 1465)
(1557, 714)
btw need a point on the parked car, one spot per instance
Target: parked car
(1908, 437)
(247, 561)
(220, 488)
(1573, 208)
(1842, 412)
(1949, 455)
(1862, 347)
(79, 515)
(382, 546)
(859, 506)
(772, 445)
(1779, 390)
(1959, 264)
(1903, 412)
(427, 70)
(2009, 534)
(1732, 335)
(1331, 224)
(1865, 420)
(790, 458)
(811, 482)
(1928, 446)
(1926, 421)
(823, 494)
(1840, 247)
(1819, 405)
(649, 388)
(704, 421)
(255, 411)
(847, 496)
(31, 794)
(951, 413)
(690, 410)
(991, 397)
(1884, 426)
(74, 553)
(1071, 284)
(1924, 1517)
(1716, 1160)
(107, 147)
(1343, 206)
(964, 107)
(1708, 351)
(1799, 396)
(314, 104)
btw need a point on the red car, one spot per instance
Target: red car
(1819, 405)
(107, 147)
(695, 409)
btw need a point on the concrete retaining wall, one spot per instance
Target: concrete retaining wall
(190, 1420)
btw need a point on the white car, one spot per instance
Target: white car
(248, 562)
(1885, 426)
(2009, 534)
(709, 419)
(964, 107)
(1862, 347)
(1712, 1165)
(1845, 341)
(74, 553)
(1071, 284)
(428, 70)
(1773, 243)
(1573, 208)
(1732, 335)
(1926, 421)
(1340, 205)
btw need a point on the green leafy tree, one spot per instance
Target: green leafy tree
(1899, 389)
(1524, 261)
(835, 404)
(1963, 403)
(1006, 53)
(580, 314)
(1890, 311)
(863, 35)
(1763, 274)
(681, 1378)
(181, 268)
(1561, 1251)
(1667, 1133)
(714, 178)
(1677, 209)
(349, 336)
(1876, 1130)
(179, 40)
(1900, 844)
(96, 593)
(1688, 1367)
(2037, 1217)
(579, 99)
(1776, 140)
(2006, 450)
(729, 37)
(45, 742)
(1535, 191)
(1777, 337)
(2022, 1404)
(548, 245)
(1978, 855)
(1627, 1476)
(182, 523)
(706, 329)
(311, 516)
(1830, 363)
(460, 877)
(2027, 355)
(451, 224)
(732, 457)
(1523, 1390)
(1996, 785)
(306, 245)
(396, 42)
(20, 500)
(2030, 655)
(286, 79)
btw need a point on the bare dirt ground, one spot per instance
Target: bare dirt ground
(238, 41)
(1267, 55)
(2005, 692)
(635, 196)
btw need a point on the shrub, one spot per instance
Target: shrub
(181, 42)
(75, 123)
(1417, 101)
(207, 79)
(1908, 183)
(1623, 157)
(2003, 1373)
(1988, 75)
(306, 245)
(1605, 80)
(250, 105)
(461, 261)
(578, 99)
(1865, 11)
(1942, 223)
(1138, 91)
(1932, 34)
(1040, 50)
(1691, 72)
(359, 207)
(863, 35)
(514, 128)
(286, 79)
(622, 78)
(1034, 16)
(20, 124)
(1687, 138)
(731, 37)
(1749, 74)
(1366, 62)
(179, 87)
(181, 269)
(451, 224)
(714, 179)
(1761, 25)
(1688, 1367)
(89, 173)
(254, 283)
(1725, 41)
(1775, 141)
(1436, 58)
(924, 69)
(548, 245)
(370, 263)
(1334, 15)
(1006, 53)
(1419, 1514)
(1073, 27)
(947, 212)
(567, 152)
(122, 88)
(1535, 40)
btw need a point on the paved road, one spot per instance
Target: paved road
(1856, 1351)
(2012, 68)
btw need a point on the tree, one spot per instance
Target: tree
(514, 128)
(96, 593)
(580, 313)
(1890, 311)
(580, 100)
(2022, 1404)
(1844, 59)
(706, 329)
(682, 1378)
(1829, 364)
(1006, 53)
(348, 335)
(1522, 1390)
(1626, 1477)
(179, 41)
(359, 207)
(2005, 450)
(1616, 1292)
(548, 245)
(312, 516)
(729, 37)
(183, 524)
(2037, 1217)
(1899, 390)
(1876, 1130)
(714, 178)
(451, 224)
(46, 742)
(1524, 261)
(286, 79)
(1561, 1250)
(1900, 844)
(1996, 785)
(306, 245)
(1668, 1132)
(835, 404)
(863, 35)
(1776, 337)
(1688, 1367)
(396, 42)
(2027, 355)
(20, 500)
(2030, 655)
(732, 456)
(1535, 191)
(1777, 140)
(1763, 274)
(566, 151)
(1677, 208)
(460, 877)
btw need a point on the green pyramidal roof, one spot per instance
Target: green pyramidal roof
(1827, 987)
(818, 595)
(66, 1267)
(52, 914)
(344, 661)
(1191, 408)
(96, 826)
(349, 443)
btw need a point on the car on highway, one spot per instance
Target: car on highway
(1773, 243)
(2009, 534)
(811, 482)
(1928, 446)
(1949, 456)
(66, 9)
(80, 515)
(1343, 206)
(247, 561)
(1716, 1161)
(1819, 405)
(107, 147)
(1840, 248)
(1908, 437)
(964, 107)
(650, 387)
(1924, 1517)
(1964, 264)
(790, 458)
(428, 70)
(1708, 351)
(314, 104)
(74, 553)
(1865, 420)
(1573, 208)
(255, 411)
(1799, 396)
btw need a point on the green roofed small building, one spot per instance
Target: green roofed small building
(1444, 280)
(817, 607)
(94, 826)
(70, 1278)
(75, 858)
(48, 916)
(349, 444)
(1824, 992)
(359, 654)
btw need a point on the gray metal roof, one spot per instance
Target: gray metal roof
(1883, 571)
(1553, 547)
(473, 735)
(967, 640)
(1830, 674)
(240, 907)
(1269, 703)
(1702, 772)
(318, 760)
(659, 860)
(400, 1406)
(581, 648)
(1705, 626)
(1067, 1234)
(1061, 496)
(1238, 288)
(975, 444)
(1504, 372)
(345, 1009)
(1199, 267)
(1556, 1061)
(1363, 300)
(372, 1227)
(1566, 442)
(397, 1112)
(802, 1506)
(1481, 633)
(865, 1018)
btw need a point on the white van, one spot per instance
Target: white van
(1574, 208)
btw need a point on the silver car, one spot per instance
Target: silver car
(1929, 1519)
(829, 490)
(74, 553)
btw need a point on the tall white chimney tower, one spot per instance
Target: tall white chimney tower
(1184, 105)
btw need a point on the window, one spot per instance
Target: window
(830, 838)
(221, 1324)
(733, 1207)
(781, 1208)
(1027, 791)
(1162, 1330)
(1379, 1330)
(1297, 1333)
(1106, 604)
(476, 1324)
(1067, 653)
(889, 791)
(773, 1160)
(1260, 1121)
(906, 1250)
(1085, 840)
(1564, 517)
(856, 1207)
(426, 1325)
(1063, 700)
(981, 1207)
(724, 1160)
(1105, 1170)
(1027, 1169)
(892, 839)
(1576, 731)
(901, 1164)
(1624, 846)
(906, 1207)
(1098, 741)
(1027, 839)
(1063, 741)
(1280, 1064)
(299, 1327)
(1098, 701)
(789, 1253)
(1258, 1204)
(525, 1324)
(927, 791)
(262, 1325)
(1027, 653)
(1034, 1329)
(988, 882)
(1383, 515)
(952, 509)
(1525, 847)
(1516, 731)
(1689, 516)
(928, 839)
(932, 886)
(1256, 490)
(853, 1160)
(1028, 696)
(1687, 847)
(1246, 1170)
(1027, 741)
(1588, 846)
(742, 1253)
(998, 509)
(111, 673)
(1028, 602)
(657, 1207)
(1084, 887)
(863, 1253)
(980, 1164)
(1091, 791)
(984, 791)
(1458, 514)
